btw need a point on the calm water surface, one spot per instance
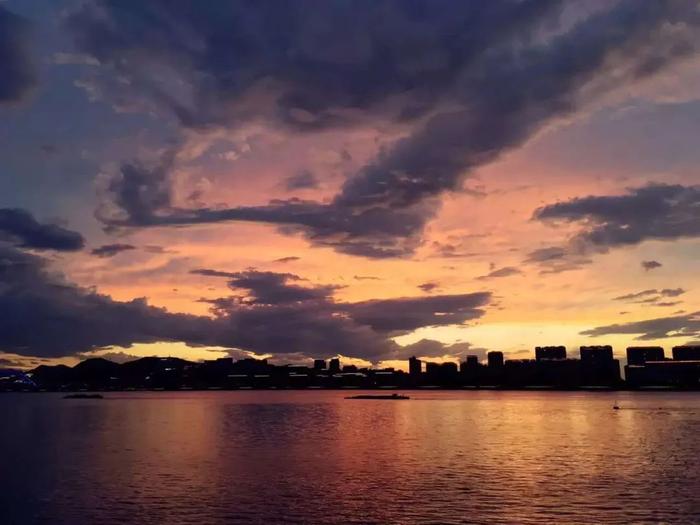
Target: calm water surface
(314, 457)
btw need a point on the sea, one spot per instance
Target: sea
(314, 457)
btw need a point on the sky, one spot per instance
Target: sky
(364, 179)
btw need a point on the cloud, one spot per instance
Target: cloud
(110, 250)
(650, 265)
(557, 259)
(303, 180)
(406, 314)
(506, 271)
(18, 75)
(20, 228)
(429, 286)
(427, 348)
(279, 315)
(653, 212)
(41, 314)
(660, 328)
(289, 259)
(469, 81)
(651, 296)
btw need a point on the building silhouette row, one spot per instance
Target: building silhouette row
(595, 367)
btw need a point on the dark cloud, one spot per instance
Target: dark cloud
(287, 259)
(409, 313)
(280, 315)
(110, 250)
(427, 348)
(429, 286)
(687, 325)
(303, 180)
(506, 271)
(366, 278)
(654, 212)
(557, 259)
(43, 315)
(18, 76)
(651, 265)
(651, 296)
(19, 227)
(471, 80)
(316, 61)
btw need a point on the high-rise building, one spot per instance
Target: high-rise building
(596, 354)
(638, 355)
(495, 359)
(334, 367)
(686, 353)
(599, 367)
(550, 352)
(415, 366)
(319, 364)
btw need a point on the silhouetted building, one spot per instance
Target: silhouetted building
(684, 374)
(550, 352)
(599, 367)
(686, 353)
(334, 367)
(638, 355)
(319, 364)
(596, 368)
(442, 373)
(495, 359)
(415, 367)
(596, 354)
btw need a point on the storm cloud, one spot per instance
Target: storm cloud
(19, 227)
(18, 76)
(470, 81)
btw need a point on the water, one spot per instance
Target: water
(314, 457)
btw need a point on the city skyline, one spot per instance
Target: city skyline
(249, 180)
(596, 368)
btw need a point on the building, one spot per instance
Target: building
(495, 359)
(686, 353)
(683, 374)
(550, 352)
(319, 364)
(415, 367)
(599, 367)
(443, 374)
(334, 367)
(638, 355)
(596, 354)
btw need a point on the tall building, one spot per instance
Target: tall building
(495, 359)
(550, 352)
(319, 364)
(599, 367)
(334, 367)
(596, 354)
(415, 367)
(638, 355)
(686, 353)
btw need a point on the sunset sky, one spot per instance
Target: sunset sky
(364, 179)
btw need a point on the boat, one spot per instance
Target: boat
(84, 396)
(379, 396)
